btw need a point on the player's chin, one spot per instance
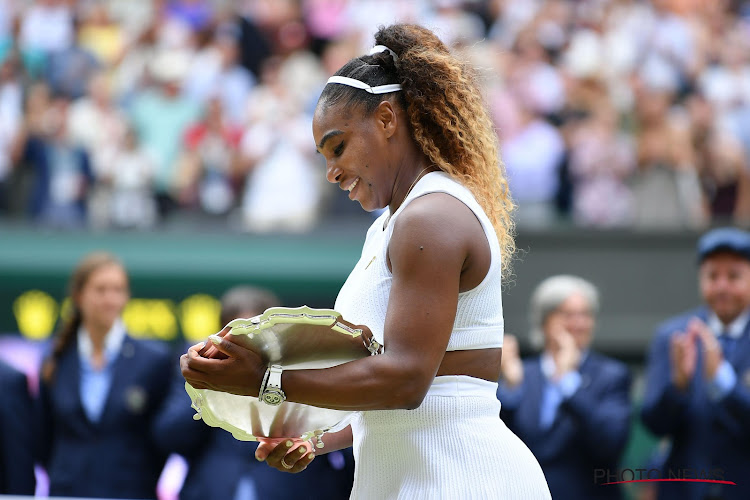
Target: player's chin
(370, 205)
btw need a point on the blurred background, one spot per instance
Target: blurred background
(177, 135)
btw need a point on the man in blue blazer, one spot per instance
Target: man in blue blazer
(698, 378)
(16, 438)
(569, 405)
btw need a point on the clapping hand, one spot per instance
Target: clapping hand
(683, 356)
(511, 367)
(565, 352)
(684, 353)
(712, 354)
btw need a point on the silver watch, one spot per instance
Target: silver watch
(270, 390)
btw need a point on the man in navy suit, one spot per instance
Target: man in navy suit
(569, 405)
(698, 378)
(16, 439)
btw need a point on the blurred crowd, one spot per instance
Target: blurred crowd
(610, 113)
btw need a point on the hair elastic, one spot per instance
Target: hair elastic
(380, 89)
(382, 48)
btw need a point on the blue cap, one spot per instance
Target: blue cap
(726, 239)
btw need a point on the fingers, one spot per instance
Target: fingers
(510, 345)
(287, 456)
(188, 373)
(223, 345)
(681, 343)
(303, 459)
(208, 350)
(194, 367)
(192, 362)
(263, 450)
(678, 349)
(708, 339)
(565, 338)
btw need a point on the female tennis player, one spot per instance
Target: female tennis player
(405, 128)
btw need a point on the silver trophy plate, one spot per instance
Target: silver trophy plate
(296, 339)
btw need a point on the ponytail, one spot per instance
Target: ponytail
(63, 339)
(448, 117)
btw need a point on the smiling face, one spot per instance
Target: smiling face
(356, 149)
(725, 284)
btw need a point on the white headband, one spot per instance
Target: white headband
(380, 89)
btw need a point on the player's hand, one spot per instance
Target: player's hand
(238, 371)
(209, 350)
(286, 455)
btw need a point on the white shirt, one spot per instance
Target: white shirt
(735, 329)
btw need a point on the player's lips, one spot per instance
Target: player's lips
(352, 185)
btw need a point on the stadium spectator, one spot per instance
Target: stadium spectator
(216, 72)
(61, 171)
(101, 35)
(570, 404)
(209, 169)
(96, 123)
(282, 189)
(161, 116)
(124, 195)
(665, 185)
(11, 124)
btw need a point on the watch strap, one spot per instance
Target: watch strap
(274, 376)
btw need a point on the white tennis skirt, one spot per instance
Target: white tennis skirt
(454, 446)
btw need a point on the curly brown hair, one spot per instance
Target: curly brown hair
(448, 117)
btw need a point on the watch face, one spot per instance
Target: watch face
(273, 398)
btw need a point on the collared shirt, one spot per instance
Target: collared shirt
(96, 382)
(735, 329)
(555, 392)
(726, 378)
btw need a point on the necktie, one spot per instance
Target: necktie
(727, 343)
(551, 399)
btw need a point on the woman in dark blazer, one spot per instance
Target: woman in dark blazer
(100, 390)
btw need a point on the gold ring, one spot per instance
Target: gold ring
(285, 465)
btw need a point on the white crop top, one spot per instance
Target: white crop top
(364, 297)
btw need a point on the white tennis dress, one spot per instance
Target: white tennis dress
(454, 446)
